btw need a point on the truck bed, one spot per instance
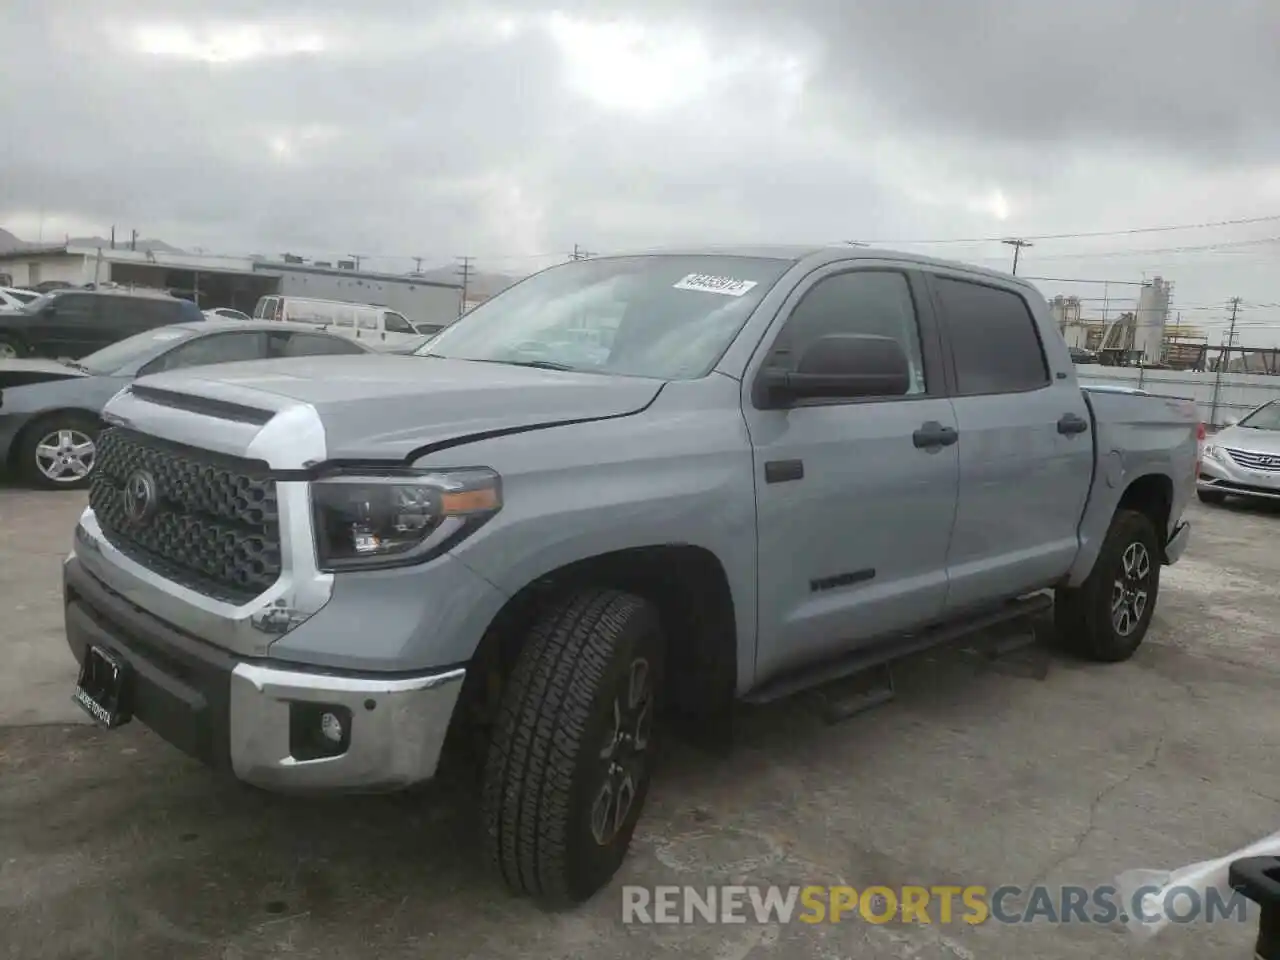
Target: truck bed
(1134, 433)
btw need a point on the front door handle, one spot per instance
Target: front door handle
(1072, 423)
(934, 434)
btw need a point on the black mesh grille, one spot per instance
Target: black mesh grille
(215, 526)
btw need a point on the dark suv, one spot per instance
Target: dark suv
(72, 323)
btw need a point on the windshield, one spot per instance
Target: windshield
(667, 317)
(138, 347)
(1266, 417)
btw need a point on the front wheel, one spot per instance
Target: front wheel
(1106, 617)
(59, 452)
(572, 752)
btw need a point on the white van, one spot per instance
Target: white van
(359, 321)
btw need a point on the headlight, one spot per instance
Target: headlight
(1211, 451)
(382, 520)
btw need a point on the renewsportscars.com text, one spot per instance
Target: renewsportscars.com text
(941, 904)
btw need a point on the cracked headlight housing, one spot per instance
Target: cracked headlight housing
(373, 520)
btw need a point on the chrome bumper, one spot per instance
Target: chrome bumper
(397, 728)
(1221, 475)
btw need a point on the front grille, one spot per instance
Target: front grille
(1268, 462)
(214, 525)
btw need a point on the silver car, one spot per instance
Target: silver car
(1243, 460)
(49, 410)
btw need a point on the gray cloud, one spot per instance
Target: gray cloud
(468, 128)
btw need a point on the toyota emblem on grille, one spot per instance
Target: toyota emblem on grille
(139, 496)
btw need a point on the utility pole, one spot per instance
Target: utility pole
(464, 271)
(417, 264)
(133, 240)
(1223, 359)
(1017, 249)
(113, 236)
(356, 258)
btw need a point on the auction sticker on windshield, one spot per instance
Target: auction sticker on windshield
(709, 284)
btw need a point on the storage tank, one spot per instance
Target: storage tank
(1066, 314)
(1150, 320)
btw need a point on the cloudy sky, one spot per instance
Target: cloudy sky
(511, 131)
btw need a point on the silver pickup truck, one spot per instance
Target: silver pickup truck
(625, 487)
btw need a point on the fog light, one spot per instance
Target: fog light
(318, 731)
(331, 727)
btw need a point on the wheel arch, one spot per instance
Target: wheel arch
(690, 588)
(1152, 496)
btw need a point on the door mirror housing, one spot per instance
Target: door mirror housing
(840, 366)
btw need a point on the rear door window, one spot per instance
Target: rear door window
(994, 341)
(215, 348)
(310, 345)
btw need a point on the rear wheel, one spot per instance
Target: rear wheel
(569, 764)
(1106, 617)
(59, 451)
(1211, 496)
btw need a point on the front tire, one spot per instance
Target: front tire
(59, 452)
(1106, 618)
(1211, 497)
(571, 755)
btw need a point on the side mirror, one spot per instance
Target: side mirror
(841, 366)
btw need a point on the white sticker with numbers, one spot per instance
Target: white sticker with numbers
(708, 284)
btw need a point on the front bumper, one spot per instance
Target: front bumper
(239, 714)
(1223, 475)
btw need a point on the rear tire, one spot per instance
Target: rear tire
(571, 755)
(1211, 496)
(58, 452)
(1106, 618)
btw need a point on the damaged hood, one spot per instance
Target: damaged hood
(20, 373)
(387, 407)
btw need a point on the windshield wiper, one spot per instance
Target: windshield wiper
(539, 364)
(75, 366)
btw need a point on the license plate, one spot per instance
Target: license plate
(103, 688)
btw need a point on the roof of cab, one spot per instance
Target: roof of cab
(818, 255)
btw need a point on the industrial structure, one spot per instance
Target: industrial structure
(1143, 336)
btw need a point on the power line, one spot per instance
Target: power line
(1122, 283)
(1078, 236)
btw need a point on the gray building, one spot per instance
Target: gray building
(237, 282)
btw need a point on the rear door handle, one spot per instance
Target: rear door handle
(934, 434)
(1072, 423)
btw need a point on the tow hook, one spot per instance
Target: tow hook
(1258, 878)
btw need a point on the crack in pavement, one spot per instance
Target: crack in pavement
(1096, 804)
